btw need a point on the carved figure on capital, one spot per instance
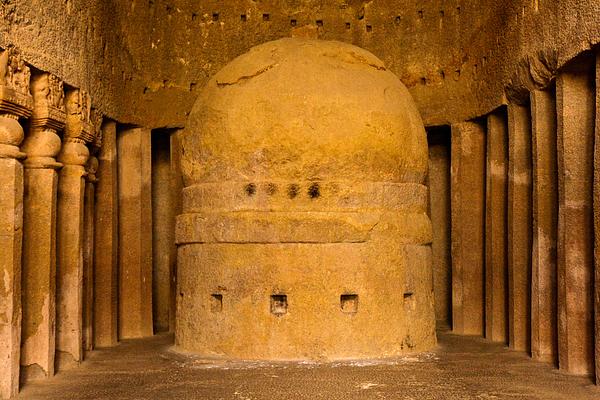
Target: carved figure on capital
(14, 72)
(15, 99)
(48, 95)
(96, 119)
(15, 102)
(79, 125)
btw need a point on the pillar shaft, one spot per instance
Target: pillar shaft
(163, 230)
(496, 317)
(42, 144)
(135, 234)
(519, 226)
(88, 254)
(11, 220)
(597, 220)
(468, 204)
(545, 223)
(70, 231)
(177, 192)
(15, 103)
(69, 293)
(439, 211)
(106, 242)
(11, 223)
(575, 103)
(39, 272)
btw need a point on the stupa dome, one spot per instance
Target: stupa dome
(305, 109)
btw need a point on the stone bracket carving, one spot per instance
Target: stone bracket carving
(49, 108)
(96, 120)
(91, 167)
(15, 98)
(78, 124)
(533, 72)
(15, 103)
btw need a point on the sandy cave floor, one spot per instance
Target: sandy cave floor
(459, 368)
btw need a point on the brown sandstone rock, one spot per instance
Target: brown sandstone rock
(304, 233)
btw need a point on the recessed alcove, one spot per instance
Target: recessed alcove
(279, 304)
(349, 303)
(216, 302)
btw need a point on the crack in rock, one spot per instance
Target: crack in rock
(245, 78)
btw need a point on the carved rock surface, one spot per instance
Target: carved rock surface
(305, 233)
(305, 109)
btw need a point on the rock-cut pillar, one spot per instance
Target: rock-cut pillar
(88, 253)
(71, 189)
(597, 222)
(468, 218)
(177, 197)
(42, 144)
(496, 275)
(15, 102)
(135, 233)
(545, 223)
(89, 205)
(439, 211)
(575, 108)
(519, 226)
(106, 241)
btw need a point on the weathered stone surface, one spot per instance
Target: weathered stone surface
(11, 217)
(468, 220)
(106, 242)
(146, 61)
(163, 232)
(11, 234)
(575, 104)
(519, 227)
(544, 329)
(439, 211)
(177, 198)
(89, 226)
(460, 368)
(300, 267)
(39, 272)
(15, 102)
(597, 221)
(496, 267)
(69, 277)
(70, 229)
(15, 99)
(41, 145)
(135, 233)
(89, 204)
(158, 66)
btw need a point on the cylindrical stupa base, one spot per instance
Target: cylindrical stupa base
(290, 285)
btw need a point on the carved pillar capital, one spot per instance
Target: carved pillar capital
(42, 144)
(79, 123)
(74, 153)
(92, 164)
(48, 106)
(11, 135)
(15, 102)
(90, 168)
(79, 130)
(97, 119)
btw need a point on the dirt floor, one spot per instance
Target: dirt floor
(460, 368)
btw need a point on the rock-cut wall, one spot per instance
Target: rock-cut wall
(144, 61)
